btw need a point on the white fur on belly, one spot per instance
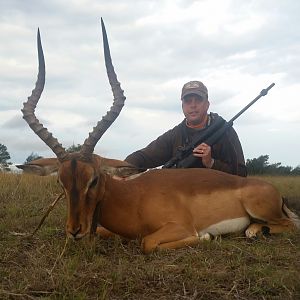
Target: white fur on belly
(227, 226)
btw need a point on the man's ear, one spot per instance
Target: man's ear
(208, 104)
(41, 166)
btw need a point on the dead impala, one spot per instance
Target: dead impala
(166, 208)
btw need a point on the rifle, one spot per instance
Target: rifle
(184, 156)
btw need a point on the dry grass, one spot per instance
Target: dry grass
(289, 186)
(44, 266)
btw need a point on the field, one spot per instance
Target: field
(47, 266)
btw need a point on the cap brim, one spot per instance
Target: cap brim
(199, 93)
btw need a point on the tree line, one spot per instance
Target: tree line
(255, 166)
(261, 166)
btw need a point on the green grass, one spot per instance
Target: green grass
(44, 266)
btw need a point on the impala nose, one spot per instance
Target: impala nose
(73, 232)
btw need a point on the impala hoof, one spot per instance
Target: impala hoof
(265, 231)
(250, 233)
(206, 237)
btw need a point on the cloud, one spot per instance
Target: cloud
(15, 122)
(156, 47)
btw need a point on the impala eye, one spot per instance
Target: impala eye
(94, 182)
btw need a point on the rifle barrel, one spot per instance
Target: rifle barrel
(264, 92)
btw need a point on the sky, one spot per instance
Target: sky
(236, 48)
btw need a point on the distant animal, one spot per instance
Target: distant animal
(165, 208)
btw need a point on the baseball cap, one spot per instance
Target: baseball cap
(194, 87)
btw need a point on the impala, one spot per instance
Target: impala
(165, 208)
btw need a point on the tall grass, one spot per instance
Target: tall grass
(44, 266)
(289, 186)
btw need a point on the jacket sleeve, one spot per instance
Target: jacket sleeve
(156, 153)
(229, 155)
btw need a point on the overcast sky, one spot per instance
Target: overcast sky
(236, 48)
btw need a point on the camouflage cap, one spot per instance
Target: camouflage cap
(194, 87)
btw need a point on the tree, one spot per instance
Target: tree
(4, 158)
(278, 169)
(296, 171)
(260, 165)
(257, 165)
(31, 157)
(74, 148)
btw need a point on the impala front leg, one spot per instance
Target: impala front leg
(104, 233)
(170, 236)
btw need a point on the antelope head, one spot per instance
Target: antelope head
(80, 174)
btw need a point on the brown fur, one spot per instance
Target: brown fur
(169, 208)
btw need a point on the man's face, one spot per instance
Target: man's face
(195, 109)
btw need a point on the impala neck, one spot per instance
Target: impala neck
(117, 207)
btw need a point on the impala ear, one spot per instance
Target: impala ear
(126, 171)
(41, 166)
(118, 168)
(121, 171)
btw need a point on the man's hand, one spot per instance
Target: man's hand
(203, 151)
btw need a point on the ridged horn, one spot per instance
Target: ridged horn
(30, 105)
(118, 103)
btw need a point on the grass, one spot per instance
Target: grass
(45, 266)
(289, 186)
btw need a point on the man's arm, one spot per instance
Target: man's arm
(229, 155)
(156, 153)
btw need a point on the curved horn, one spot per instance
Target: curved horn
(30, 105)
(118, 103)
